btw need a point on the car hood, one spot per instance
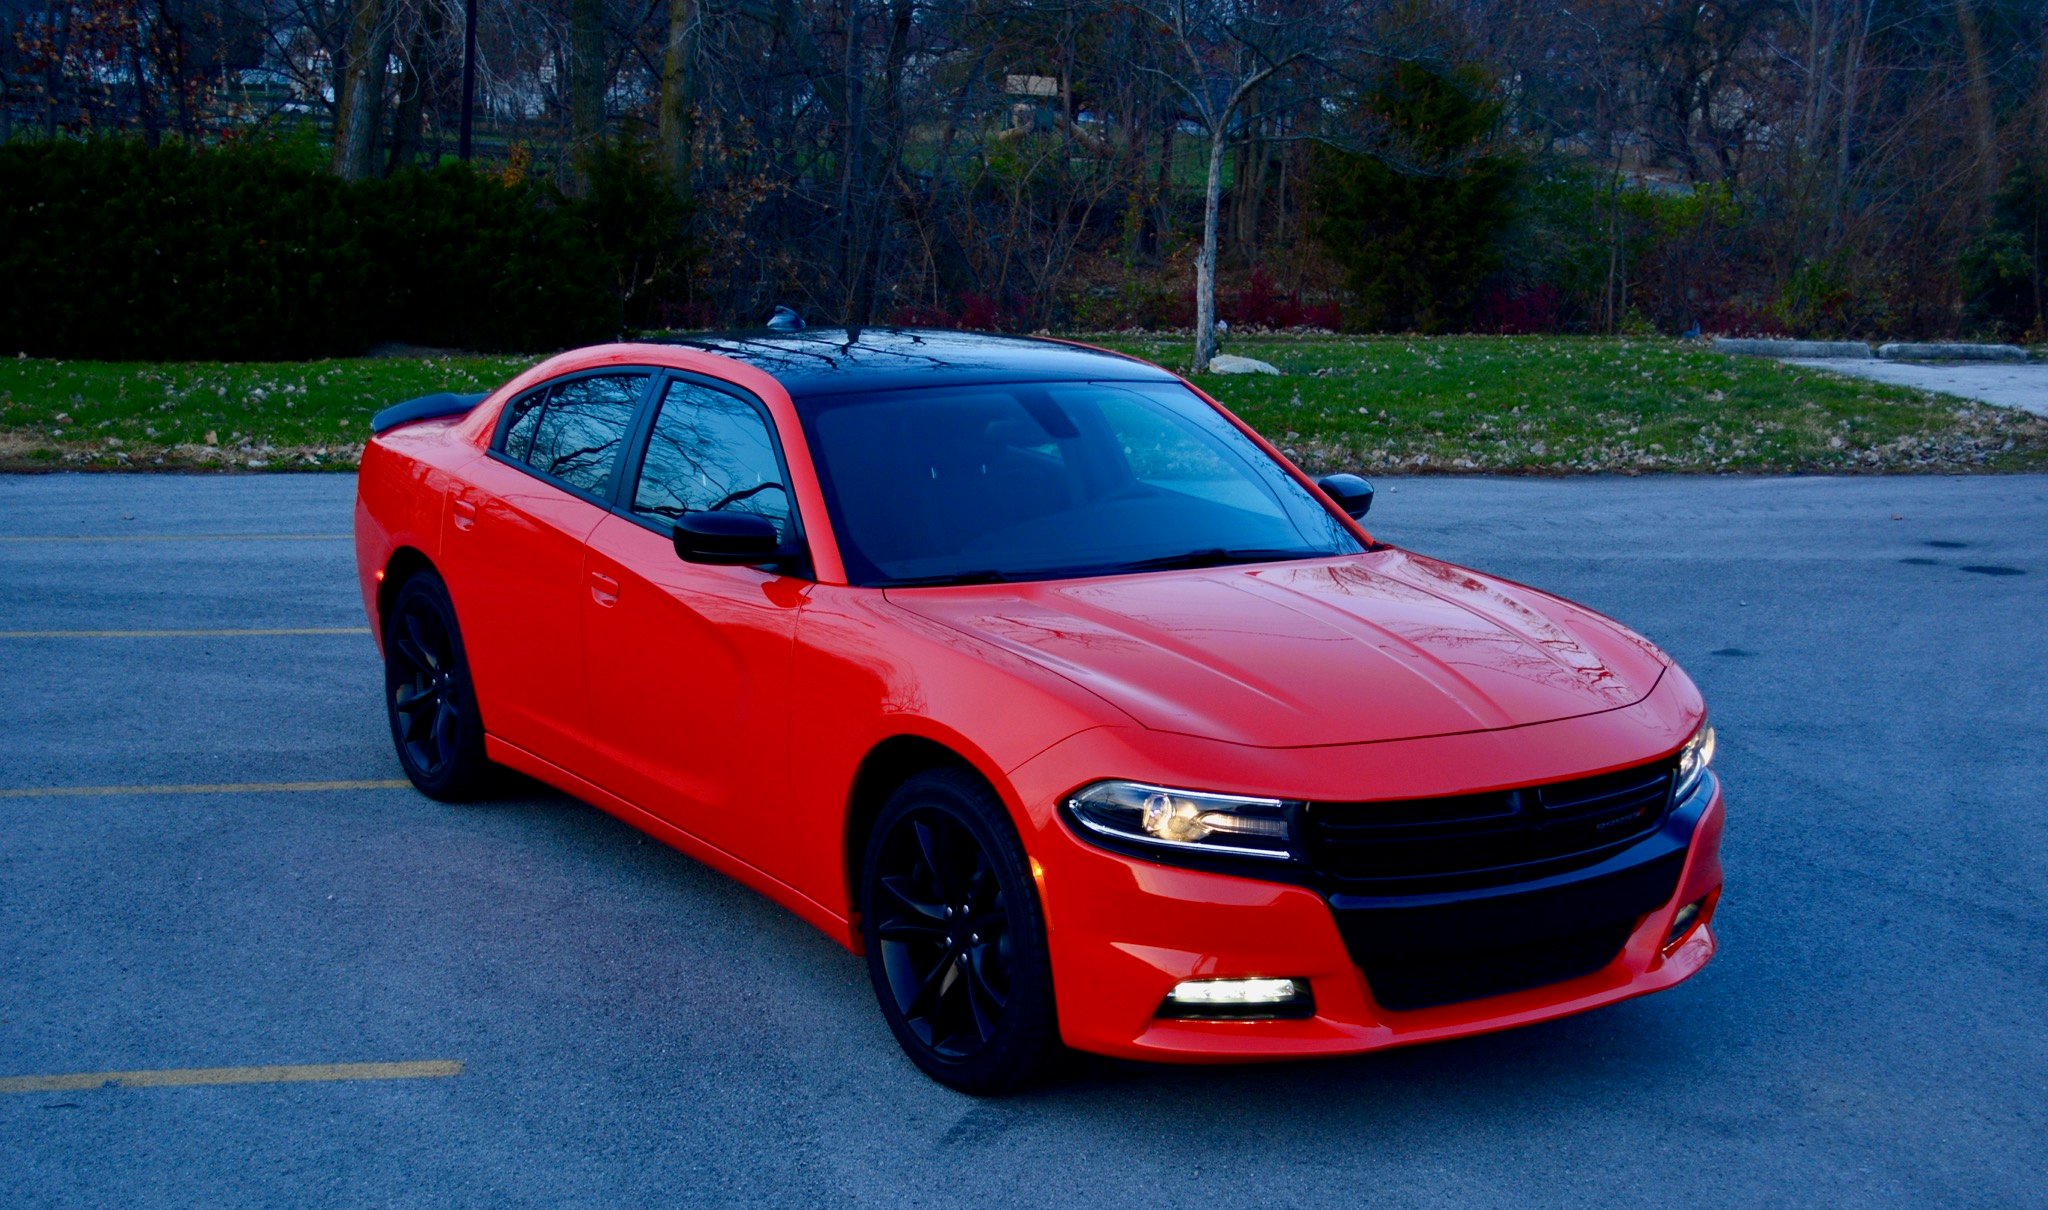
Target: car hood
(1381, 646)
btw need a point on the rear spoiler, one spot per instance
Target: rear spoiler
(426, 407)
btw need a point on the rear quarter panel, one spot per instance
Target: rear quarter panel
(402, 486)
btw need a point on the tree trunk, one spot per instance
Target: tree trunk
(1983, 118)
(466, 138)
(1240, 190)
(1610, 315)
(169, 41)
(1162, 192)
(1284, 201)
(408, 127)
(2038, 155)
(1814, 84)
(1852, 78)
(2040, 143)
(853, 149)
(1205, 263)
(586, 88)
(861, 303)
(1134, 171)
(679, 93)
(362, 90)
(145, 99)
(1250, 207)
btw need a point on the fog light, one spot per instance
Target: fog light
(1682, 923)
(1239, 999)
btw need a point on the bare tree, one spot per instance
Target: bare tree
(1225, 52)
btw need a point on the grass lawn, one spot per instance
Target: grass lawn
(1561, 405)
(1514, 404)
(295, 415)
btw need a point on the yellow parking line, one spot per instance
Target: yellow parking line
(180, 634)
(233, 787)
(175, 537)
(177, 1077)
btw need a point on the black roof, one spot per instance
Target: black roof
(834, 361)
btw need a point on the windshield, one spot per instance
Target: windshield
(1040, 481)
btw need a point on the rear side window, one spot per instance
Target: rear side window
(525, 415)
(710, 452)
(574, 433)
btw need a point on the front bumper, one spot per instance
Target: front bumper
(1124, 931)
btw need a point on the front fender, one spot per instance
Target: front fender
(867, 672)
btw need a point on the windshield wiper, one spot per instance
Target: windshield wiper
(1215, 556)
(951, 577)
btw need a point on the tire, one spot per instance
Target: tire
(955, 939)
(435, 724)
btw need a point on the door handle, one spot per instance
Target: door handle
(464, 513)
(603, 589)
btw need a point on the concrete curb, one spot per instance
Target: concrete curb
(1791, 348)
(1950, 352)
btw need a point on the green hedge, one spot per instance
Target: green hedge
(112, 250)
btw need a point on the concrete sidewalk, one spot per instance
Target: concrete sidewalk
(2006, 385)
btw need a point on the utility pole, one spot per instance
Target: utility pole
(468, 76)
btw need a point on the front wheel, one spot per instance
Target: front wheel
(955, 941)
(435, 723)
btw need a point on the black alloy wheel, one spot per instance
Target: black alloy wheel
(435, 724)
(955, 942)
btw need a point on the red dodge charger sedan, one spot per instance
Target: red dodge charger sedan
(1030, 673)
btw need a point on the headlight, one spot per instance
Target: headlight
(1184, 820)
(1693, 760)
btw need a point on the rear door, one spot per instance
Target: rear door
(689, 665)
(513, 551)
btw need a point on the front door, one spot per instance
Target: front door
(688, 664)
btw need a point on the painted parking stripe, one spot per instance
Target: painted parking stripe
(180, 1077)
(260, 632)
(233, 787)
(175, 537)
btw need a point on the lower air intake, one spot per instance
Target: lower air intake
(1429, 981)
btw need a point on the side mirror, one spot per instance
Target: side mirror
(728, 539)
(1352, 494)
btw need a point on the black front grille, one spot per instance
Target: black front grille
(1428, 981)
(1469, 840)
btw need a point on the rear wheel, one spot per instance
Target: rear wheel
(435, 724)
(955, 941)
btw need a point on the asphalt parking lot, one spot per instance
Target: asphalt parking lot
(595, 1018)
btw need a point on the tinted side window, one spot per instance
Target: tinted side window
(525, 415)
(578, 433)
(709, 451)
